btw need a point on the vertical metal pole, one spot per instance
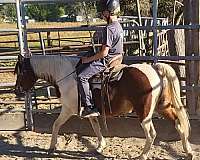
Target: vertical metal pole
(59, 40)
(42, 44)
(196, 46)
(44, 53)
(29, 111)
(174, 12)
(141, 36)
(25, 39)
(192, 48)
(19, 25)
(28, 96)
(49, 39)
(155, 43)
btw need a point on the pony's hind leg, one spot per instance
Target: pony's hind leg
(184, 138)
(150, 134)
(96, 127)
(173, 91)
(62, 118)
(171, 114)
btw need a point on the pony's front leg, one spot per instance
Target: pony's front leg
(62, 118)
(96, 127)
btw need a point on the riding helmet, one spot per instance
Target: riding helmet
(112, 6)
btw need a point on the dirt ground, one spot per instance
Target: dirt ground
(32, 145)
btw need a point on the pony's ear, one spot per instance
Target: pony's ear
(20, 58)
(28, 53)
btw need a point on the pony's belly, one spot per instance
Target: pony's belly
(120, 107)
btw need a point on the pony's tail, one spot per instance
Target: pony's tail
(167, 71)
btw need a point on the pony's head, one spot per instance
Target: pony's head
(26, 77)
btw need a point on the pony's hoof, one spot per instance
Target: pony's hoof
(101, 146)
(141, 157)
(94, 152)
(51, 150)
(190, 156)
(99, 150)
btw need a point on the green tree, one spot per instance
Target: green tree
(8, 11)
(55, 11)
(166, 8)
(1, 13)
(37, 12)
(45, 12)
(78, 8)
(69, 9)
(129, 7)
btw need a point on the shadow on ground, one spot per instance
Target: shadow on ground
(117, 127)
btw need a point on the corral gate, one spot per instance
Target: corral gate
(154, 58)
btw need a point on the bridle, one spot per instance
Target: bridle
(22, 69)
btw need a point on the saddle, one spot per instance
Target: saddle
(101, 80)
(111, 73)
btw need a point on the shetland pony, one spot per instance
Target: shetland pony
(142, 88)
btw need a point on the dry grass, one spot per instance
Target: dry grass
(43, 25)
(8, 25)
(35, 36)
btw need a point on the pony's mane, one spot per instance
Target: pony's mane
(72, 58)
(49, 67)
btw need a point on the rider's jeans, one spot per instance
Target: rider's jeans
(83, 77)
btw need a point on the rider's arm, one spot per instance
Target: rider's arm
(103, 53)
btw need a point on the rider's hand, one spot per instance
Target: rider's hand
(85, 60)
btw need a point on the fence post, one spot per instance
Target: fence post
(19, 26)
(29, 109)
(21, 23)
(192, 39)
(42, 45)
(155, 43)
(49, 44)
(142, 49)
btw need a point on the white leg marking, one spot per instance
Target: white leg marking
(62, 118)
(150, 134)
(186, 145)
(96, 127)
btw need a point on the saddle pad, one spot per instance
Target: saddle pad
(115, 75)
(116, 70)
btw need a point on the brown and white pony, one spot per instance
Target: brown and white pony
(142, 88)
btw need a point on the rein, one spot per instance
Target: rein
(66, 76)
(77, 67)
(57, 81)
